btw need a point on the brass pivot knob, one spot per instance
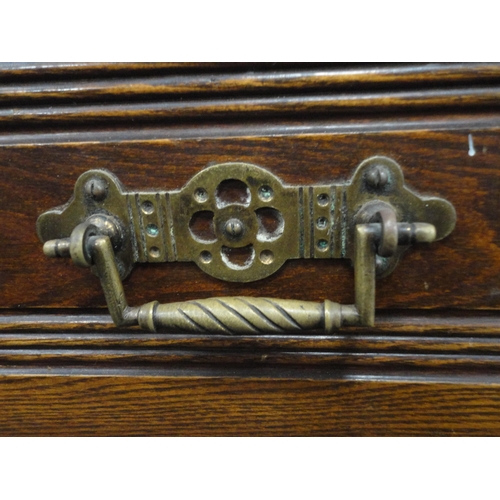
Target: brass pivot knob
(234, 228)
(77, 245)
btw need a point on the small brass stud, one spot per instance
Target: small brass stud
(233, 228)
(377, 177)
(97, 189)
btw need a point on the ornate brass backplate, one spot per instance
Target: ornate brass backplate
(239, 222)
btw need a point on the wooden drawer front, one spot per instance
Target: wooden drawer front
(156, 126)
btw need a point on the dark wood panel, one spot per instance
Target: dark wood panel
(35, 178)
(145, 405)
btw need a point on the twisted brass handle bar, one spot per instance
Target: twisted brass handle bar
(238, 315)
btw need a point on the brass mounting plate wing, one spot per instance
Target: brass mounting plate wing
(239, 222)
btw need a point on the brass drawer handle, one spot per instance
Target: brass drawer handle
(375, 241)
(232, 315)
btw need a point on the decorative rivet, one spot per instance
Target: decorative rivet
(323, 199)
(322, 245)
(200, 195)
(147, 207)
(377, 176)
(233, 228)
(97, 189)
(266, 193)
(266, 257)
(152, 230)
(154, 252)
(206, 257)
(322, 222)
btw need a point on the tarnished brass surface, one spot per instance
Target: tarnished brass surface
(246, 208)
(230, 315)
(241, 315)
(239, 222)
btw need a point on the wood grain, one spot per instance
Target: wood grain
(266, 107)
(459, 343)
(340, 124)
(20, 73)
(249, 82)
(95, 95)
(145, 405)
(347, 342)
(422, 323)
(486, 360)
(44, 70)
(431, 366)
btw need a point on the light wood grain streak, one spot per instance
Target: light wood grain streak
(39, 70)
(67, 69)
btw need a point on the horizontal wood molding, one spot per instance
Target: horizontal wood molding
(120, 133)
(346, 342)
(442, 342)
(65, 70)
(125, 94)
(378, 362)
(255, 107)
(298, 80)
(389, 322)
(376, 356)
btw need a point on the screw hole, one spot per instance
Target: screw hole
(266, 257)
(266, 193)
(321, 222)
(200, 195)
(322, 245)
(205, 257)
(323, 199)
(154, 252)
(152, 229)
(147, 207)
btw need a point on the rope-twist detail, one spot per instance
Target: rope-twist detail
(238, 315)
